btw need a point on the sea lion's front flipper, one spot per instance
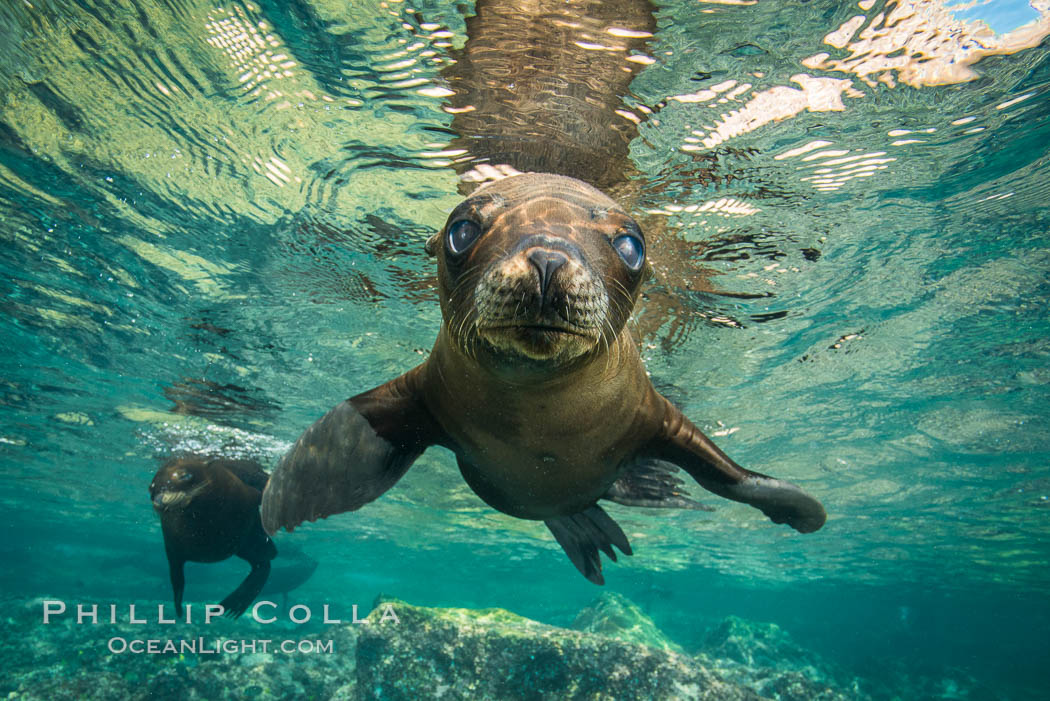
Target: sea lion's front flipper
(682, 443)
(652, 483)
(350, 456)
(177, 575)
(582, 535)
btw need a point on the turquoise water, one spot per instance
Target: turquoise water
(213, 219)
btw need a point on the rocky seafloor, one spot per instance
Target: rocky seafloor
(612, 651)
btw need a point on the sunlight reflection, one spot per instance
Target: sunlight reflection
(255, 53)
(825, 177)
(725, 206)
(772, 105)
(916, 42)
(923, 43)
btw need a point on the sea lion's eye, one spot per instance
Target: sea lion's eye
(631, 250)
(181, 476)
(462, 234)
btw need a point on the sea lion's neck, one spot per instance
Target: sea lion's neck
(488, 418)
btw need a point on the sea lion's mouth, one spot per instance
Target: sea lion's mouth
(542, 301)
(512, 327)
(168, 500)
(176, 500)
(539, 341)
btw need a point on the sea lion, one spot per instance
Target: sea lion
(209, 511)
(533, 383)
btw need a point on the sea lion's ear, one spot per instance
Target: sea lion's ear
(350, 456)
(647, 272)
(431, 246)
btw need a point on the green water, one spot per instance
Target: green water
(234, 198)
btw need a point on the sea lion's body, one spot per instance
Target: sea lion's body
(544, 449)
(533, 382)
(209, 511)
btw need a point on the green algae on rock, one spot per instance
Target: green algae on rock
(64, 661)
(615, 616)
(753, 644)
(494, 654)
(432, 653)
(764, 657)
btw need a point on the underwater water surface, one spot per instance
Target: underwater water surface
(213, 220)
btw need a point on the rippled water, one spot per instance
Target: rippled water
(213, 219)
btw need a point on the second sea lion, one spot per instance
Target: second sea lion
(209, 511)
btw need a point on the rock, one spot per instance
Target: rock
(765, 658)
(615, 616)
(494, 654)
(64, 660)
(795, 686)
(754, 644)
(442, 653)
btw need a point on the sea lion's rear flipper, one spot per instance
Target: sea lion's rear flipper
(243, 596)
(681, 443)
(258, 549)
(652, 483)
(582, 535)
(350, 456)
(178, 580)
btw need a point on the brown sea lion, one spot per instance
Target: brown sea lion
(209, 511)
(533, 383)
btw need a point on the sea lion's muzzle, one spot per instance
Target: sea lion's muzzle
(166, 500)
(173, 495)
(542, 301)
(546, 263)
(551, 257)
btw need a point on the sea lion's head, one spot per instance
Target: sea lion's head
(537, 269)
(178, 483)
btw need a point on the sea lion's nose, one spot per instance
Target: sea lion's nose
(546, 263)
